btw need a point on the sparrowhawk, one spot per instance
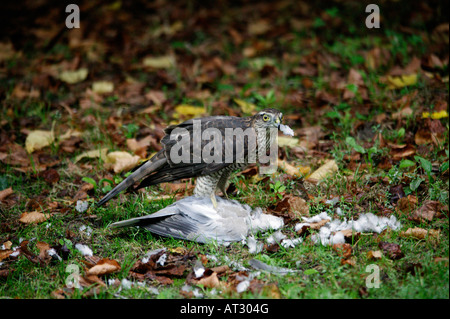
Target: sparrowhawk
(212, 172)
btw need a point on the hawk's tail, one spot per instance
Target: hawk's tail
(147, 168)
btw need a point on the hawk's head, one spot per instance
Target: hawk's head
(268, 118)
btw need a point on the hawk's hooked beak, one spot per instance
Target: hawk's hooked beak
(278, 122)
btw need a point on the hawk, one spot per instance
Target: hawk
(232, 152)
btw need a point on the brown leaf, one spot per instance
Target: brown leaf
(5, 193)
(34, 217)
(407, 204)
(427, 211)
(295, 206)
(350, 235)
(50, 175)
(403, 151)
(343, 250)
(211, 281)
(103, 267)
(44, 257)
(348, 261)
(377, 254)
(420, 233)
(318, 225)
(391, 249)
(4, 253)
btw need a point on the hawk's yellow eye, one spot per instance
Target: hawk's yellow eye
(266, 117)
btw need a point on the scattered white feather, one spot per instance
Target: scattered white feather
(126, 284)
(330, 233)
(243, 286)
(291, 243)
(84, 249)
(286, 130)
(276, 237)
(254, 246)
(199, 269)
(86, 229)
(147, 256)
(332, 201)
(81, 206)
(52, 252)
(162, 260)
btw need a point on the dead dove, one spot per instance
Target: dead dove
(196, 219)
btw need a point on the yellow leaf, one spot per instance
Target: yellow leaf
(324, 171)
(38, 139)
(161, 62)
(189, 110)
(101, 153)
(245, 106)
(73, 77)
(287, 141)
(69, 134)
(395, 82)
(435, 115)
(297, 171)
(101, 87)
(121, 161)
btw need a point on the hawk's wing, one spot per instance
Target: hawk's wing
(180, 138)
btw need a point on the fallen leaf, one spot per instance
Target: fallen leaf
(258, 27)
(350, 235)
(102, 87)
(4, 253)
(101, 153)
(189, 110)
(50, 175)
(435, 115)
(161, 62)
(246, 107)
(324, 171)
(407, 204)
(44, 257)
(319, 224)
(377, 254)
(70, 133)
(391, 249)
(343, 250)
(349, 261)
(139, 147)
(396, 82)
(420, 233)
(121, 161)
(297, 171)
(33, 217)
(422, 137)
(7, 245)
(427, 211)
(211, 281)
(5, 193)
(73, 77)
(38, 139)
(103, 267)
(295, 206)
(287, 141)
(405, 151)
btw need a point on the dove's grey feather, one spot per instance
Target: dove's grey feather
(195, 218)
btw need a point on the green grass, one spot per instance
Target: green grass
(361, 188)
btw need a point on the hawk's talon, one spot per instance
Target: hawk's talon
(213, 200)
